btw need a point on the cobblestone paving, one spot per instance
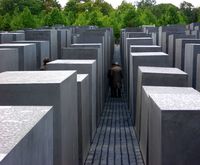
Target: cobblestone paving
(115, 142)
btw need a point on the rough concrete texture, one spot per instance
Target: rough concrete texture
(170, 28)
(191, 51)
(198, 73)
(165, 39)
(83, 117)
(180, 51)
(26, 135)
(128, 43)
(42, 51)
(145, 48)
(92, 54)
(61, 37)
(46, 35)
(18, 36)
(172, 46)
(6, 37)
(196, 33)
(136, 34)
(9, 59)
(82, 67)
(153, 76)
(57, 88)
(142, 59)
(173, 122)
(27, 55)
(104, 71)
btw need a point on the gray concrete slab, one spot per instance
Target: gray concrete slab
(192, 25)
(142, 59)
(165, 39)
(173, 122)
(42, 51)
(170, 28)
(57, 88)
(128, 43)
(196, 33)
(27, 55)
(89, 54)
(61, 37)
(180, 51)
(145, 48)
(82, 67)
(153, 76)
(83, 116)
(6, 37)
(46, 35)
(198, 73)
(104, 71)
(26, 135)
(9, 59)
(137, 34)
(18, 36)
(191, 51)
(172, 46)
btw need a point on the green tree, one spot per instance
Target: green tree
(55, 17)
(129, 15)
(187, 9)
(71, 11)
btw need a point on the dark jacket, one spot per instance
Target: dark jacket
(115, 76)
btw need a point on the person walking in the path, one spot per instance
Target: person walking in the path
(45, 61)
(115, 79)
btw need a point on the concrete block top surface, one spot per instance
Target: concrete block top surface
(161, 70)
(174, 98)
(72, 62)
(87, 44)
(16, 122)
(35, 77)
(145, 46)
(81, 48)
(177, 101)
(149, 54)
(187, 39)
(7, 49)
(149, 90)
(30, 41)
(15, 45)
(81, 77)
(140, 38)
(193, 44)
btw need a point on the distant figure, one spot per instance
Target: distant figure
(115, 80)
(45, 61)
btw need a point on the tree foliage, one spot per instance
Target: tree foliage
(19, 14)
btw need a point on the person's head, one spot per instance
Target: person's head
(46, 60)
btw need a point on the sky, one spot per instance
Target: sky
(116, 3)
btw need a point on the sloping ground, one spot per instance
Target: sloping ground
(115, 142)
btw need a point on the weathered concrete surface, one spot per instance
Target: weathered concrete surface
(142, 59)
(57, 88)
(27, 55)
(180, 51)
(42, 51)
(26, 135)
(92, 54)
(82, 67)
(172, 46)
(9, 59)
(153, 76)
(169, 133)
(83, 116)
(191, 51)
(46, 35)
